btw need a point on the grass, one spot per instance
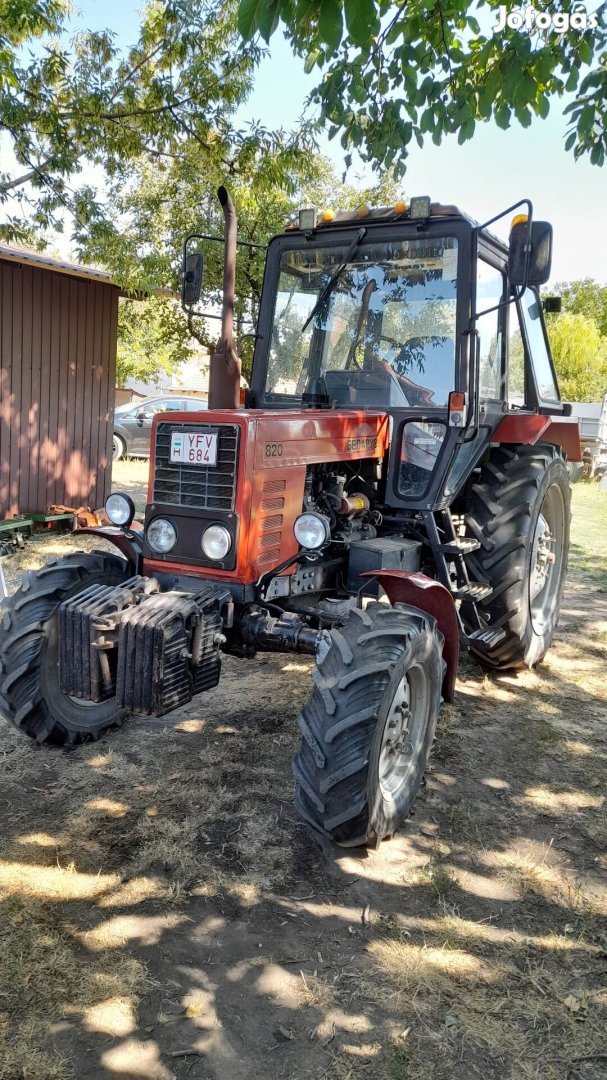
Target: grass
(589, 532)
(131, 476)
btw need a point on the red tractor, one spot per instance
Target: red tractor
(394, 486)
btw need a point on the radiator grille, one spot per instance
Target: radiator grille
(205, 487)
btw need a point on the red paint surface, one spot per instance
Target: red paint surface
(526, 429)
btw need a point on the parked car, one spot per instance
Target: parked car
(133, 422)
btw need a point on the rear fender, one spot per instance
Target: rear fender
(129, 546)
(527, 429)
(402, 587)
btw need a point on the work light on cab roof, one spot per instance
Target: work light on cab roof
(418, 209)
(393, 489)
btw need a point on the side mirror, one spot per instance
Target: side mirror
(192, 278)
(530, 255)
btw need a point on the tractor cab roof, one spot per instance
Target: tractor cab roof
(419, 210)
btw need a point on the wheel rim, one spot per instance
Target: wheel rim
(547, 559)
(117, 448)
(403, 732)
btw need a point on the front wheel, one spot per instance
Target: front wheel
(368, 728)
(30, 694)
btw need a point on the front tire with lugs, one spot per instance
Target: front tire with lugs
(368, 728)
(520, 511)
(30, 695)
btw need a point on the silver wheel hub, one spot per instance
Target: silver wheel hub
(547, 559)
(396, 746)
(543, 557)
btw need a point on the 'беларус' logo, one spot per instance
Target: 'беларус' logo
(558, 21)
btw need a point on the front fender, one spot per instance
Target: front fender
(129, 546)
(403, 587)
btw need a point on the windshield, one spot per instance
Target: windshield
(382, 334)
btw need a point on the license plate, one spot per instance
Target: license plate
(193, 448)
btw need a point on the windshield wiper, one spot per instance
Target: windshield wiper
(328, 289)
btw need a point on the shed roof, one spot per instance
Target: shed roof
(27, 257)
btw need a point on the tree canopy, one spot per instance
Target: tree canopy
(69, 102)
(394, 73)
(580, 356)
(585, 297)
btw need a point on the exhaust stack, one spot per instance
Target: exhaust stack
(224, 372)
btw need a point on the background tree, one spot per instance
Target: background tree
(580, 356)
(69, 103)
(585, 297)
(391, 73)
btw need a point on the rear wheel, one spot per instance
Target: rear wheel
(367, 730)
(30, 695)
(520, 511)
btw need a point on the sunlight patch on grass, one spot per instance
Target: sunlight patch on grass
(39, 839)
(53, 882)
(557, 803)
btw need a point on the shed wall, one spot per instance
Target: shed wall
(57, 370)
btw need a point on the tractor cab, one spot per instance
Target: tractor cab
(417, 311)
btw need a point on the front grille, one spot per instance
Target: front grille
(206, 487)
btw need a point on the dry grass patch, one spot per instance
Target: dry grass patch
(524, 1008)
(41, 951)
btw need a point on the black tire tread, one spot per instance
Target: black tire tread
(499, 514)
(22, 636)
(338, 723)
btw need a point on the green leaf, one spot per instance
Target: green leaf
(569, 141)
(249, 12)
(584, 50)
(502, 117)
(361, 20)
(586, 119)
(543, 107)
(330, 25)
(311, 60)
(268, 19)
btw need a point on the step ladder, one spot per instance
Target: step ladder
(449, 550)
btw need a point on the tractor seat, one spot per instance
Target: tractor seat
(367, 389)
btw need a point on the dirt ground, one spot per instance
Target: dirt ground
(164, 914)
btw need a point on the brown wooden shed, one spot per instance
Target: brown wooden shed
(58, 324)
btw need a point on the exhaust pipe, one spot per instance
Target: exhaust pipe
(224, 371)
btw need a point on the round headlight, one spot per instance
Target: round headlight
(216, 542)
(161, 535)
(312, 531)
(120, 509)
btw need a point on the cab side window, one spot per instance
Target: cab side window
(490, 286)
(539, 355)
(527, 346)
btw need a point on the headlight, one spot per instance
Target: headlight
(161, 535)
(312, 531)
(120, 509)
(216, 542)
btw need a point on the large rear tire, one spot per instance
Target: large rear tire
(30, 696)
(368, 728)
(520, 511)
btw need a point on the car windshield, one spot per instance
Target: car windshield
(382, 334)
